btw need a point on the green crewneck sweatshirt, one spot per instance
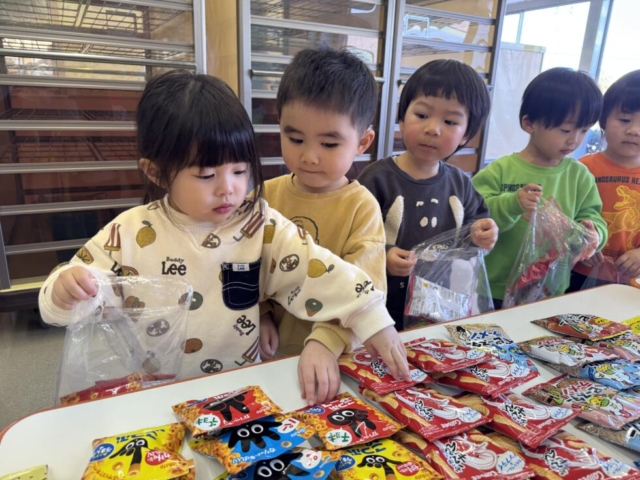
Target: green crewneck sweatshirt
(570, 183)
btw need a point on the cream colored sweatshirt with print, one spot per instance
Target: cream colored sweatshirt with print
(255, 256)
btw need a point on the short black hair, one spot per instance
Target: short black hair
(334, 80)
(187, 120)
(624, 94)
(449, 79)
(558, 94)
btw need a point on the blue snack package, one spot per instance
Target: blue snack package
(299, 462)
(618, 374)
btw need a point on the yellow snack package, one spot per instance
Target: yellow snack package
(145, 454)
(34, 473)
(634, 323)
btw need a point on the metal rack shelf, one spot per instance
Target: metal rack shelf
(306, 10)
(37, 114)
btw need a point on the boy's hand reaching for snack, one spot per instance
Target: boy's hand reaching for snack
(484, 233)
(269, 338)
(72, 286)
(628, 264)
(400, 262)
(318, 373)
(388, 345)
(595, 260)
(529, 197)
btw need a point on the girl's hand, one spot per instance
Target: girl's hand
(529, 197)
(628, 264)
(269, 339)
(484, 233)
(318, 373)
(400, 262)
(388, 345)
(72, 286)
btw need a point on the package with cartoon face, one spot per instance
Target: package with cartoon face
(588, 327)
(435, 355)
(564, 351)
(618, 374)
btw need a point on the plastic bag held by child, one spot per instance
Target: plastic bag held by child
(552, 245)
(129, 336)
(449, 281)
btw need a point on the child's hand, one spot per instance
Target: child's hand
(594, 261)
(72, 286)
(400, 262)
(592, 236)
(318, 373)
(484, 233)
(269, 339)
(628, 264)
(529, 197)
(388, 345)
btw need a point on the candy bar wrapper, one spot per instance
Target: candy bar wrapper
(146, 454)
(618, 374)
(564, 351)
(628, 436)
(427, 412)
(520, 419)
(442, 356)
(347, 421)
(492, 377)
(297, 463)
(599, 404)
(473, 455)
(383, 459)
(566, 457)
(491, 339)
(626, 346)
(230, 409)
(240, 447)
(588, 327)
(374, 374)
(34, 473)
(634, 324)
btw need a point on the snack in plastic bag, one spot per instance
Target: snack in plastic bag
(626, 346)
(383, 459)
(226, 410)
(427, 412)
(240, 447)
(552, 244)
(347, 421)
(628, 436)
(145, 454)
(589, 327)
(564, 351)
(449, 280)
(598, 404)
(437, 355)
(566, 457)
(34, 473)
(374, 374)
(619, 374)
(520, 419)
(137, 329)
(492, 377)
(634, 324)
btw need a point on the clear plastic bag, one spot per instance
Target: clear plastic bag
(604, 274)
(129, 336)
(449, 280)
(552, 245)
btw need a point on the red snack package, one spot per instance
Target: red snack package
(626, 346)
(520, 419)
(597, 403)
(374, 374)
(226, 410)
(104, 389)
(492, 377)
(347, 421)
(563, 351)
(566, 457)
(441, 355)
(427, 412)
(589, 327)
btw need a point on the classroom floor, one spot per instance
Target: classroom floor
(29, 360)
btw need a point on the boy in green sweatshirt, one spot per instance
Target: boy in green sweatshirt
(558, 108)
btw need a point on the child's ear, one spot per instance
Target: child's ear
(150, 170)
(366, 140)
(526, 124)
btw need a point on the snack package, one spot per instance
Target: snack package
(230, 409)
(347, 421)
(133, 327)
(597, 403)
(626, 346)
(618, 374)
(240, 447)
(34, 473)
(472, 455)
(437, 355)
(145, 454)
(520, 419)
(427, 412)
(634, 324)
(492, 377)
(491, 339)
(628, 436)
(374, 374)
(564, 351)
(383, 459)
(588, 327)
(566, 457)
